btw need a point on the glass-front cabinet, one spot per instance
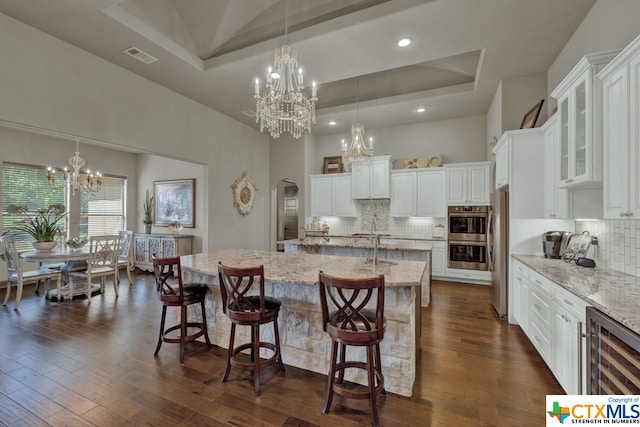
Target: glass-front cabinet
(579, 98)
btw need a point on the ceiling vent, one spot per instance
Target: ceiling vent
(249, 113)
(140, 55)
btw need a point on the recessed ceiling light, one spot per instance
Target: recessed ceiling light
(332, 123)
(421, 110)
(404, 42)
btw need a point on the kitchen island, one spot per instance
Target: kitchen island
(292, 278)
(389, 248)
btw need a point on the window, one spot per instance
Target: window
(25, 187)
(103, 212)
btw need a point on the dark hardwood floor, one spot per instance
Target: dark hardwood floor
(73, 364)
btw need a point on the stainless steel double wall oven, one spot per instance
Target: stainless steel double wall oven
(468, 237)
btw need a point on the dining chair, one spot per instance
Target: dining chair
(124, 257)
(15, 273)
(102, 263)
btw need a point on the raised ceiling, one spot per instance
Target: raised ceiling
(212, 50)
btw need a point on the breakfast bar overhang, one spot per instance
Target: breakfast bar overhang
(292, 278)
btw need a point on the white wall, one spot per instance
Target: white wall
(519, 95)
(456, 140)
(494, 121)
(49, 84)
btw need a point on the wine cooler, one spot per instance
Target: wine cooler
(613, 356)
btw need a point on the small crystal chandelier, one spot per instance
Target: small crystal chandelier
(92, 183)
(284, 106)
(358, 151)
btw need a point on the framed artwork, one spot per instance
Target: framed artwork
(529, 120)
(174, 201)
(332, 164)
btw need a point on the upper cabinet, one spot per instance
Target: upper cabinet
(580, 122)
(467, 183)
(621, 133)
(372, 180)
(418, 192)
(520, 154)
(556, 199)
(331, 195)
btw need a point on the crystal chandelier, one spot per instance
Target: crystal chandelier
(91, 184)
(358, 151)
(284, 106)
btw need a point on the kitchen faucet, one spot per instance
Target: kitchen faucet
(375, 241)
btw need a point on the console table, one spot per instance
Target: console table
(163, 245)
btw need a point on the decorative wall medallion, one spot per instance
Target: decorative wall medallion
(244, 192)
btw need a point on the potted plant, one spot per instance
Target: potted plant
(147, 209)
(43, 227)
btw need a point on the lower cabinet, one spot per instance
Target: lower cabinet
(556, 319)
(163, 245)
(438, 259)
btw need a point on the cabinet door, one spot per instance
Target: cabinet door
(361, 180)
(403, 194)
(431, 202)
(616, 153)
(478, 186)
(438, 260)
(169, 248)
(556, 200)
(565, 350)
(141, 250)
(521, 296)
(456, 185)
(380, 179)
(634, 136)
(563, 118)
(502, 165)
(580, 159)
(343, 203)
(321, 196)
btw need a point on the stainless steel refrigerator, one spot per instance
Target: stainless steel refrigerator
(499, 252)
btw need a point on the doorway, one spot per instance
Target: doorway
(286, 212)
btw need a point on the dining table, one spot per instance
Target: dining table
(66, 259)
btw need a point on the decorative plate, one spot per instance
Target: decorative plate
(423, 162)
(435, 161)
(244, 192)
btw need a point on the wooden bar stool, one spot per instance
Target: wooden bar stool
(173, 293)
(246, 306)
(352, 323)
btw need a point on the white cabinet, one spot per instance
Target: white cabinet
(331, 195)
(438, 259)
(540, 315)
(431, 201)
(521, 294)
(404, 193)
(522, 155)
(556, 323)
(501, 152)
(467, 183)
(163, 245)
(556, 199)
(372, 180)
(418, 192)
(621, 133)
(579, 98)
(569, 317)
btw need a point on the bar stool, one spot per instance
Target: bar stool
(168, 272)
(243, 306)
(351, 323)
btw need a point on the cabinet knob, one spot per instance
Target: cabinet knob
(622, 214)
(629, 213)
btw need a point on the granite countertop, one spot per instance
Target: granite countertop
(614, 293)
(301, 268)
(388, 243)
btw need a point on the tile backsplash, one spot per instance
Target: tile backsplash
(618, 243)
(379, 211)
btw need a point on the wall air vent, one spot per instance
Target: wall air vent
(140, 55)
